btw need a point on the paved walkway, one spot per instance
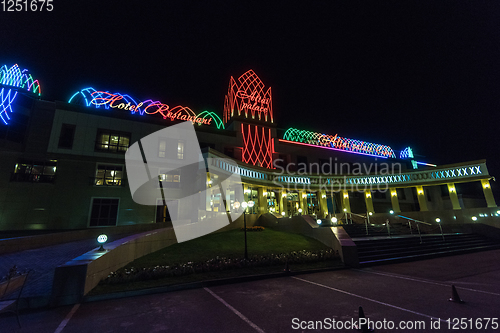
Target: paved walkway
(414, 295)
(43, 262)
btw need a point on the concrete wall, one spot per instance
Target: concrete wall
(77, 277)
(17, 244)
(333, 237)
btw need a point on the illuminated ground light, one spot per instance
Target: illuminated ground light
(14, 80)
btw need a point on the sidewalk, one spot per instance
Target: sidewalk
(43, 262)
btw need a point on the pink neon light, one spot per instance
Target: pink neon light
(258, 146)
(331, 148)
(248, 96)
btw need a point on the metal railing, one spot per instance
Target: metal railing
(417, 223)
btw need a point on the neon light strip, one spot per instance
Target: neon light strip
(335, 141)
(91, 97)
(15, 78)
(428, 164)
(331, 148)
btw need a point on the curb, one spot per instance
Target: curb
(203, 284)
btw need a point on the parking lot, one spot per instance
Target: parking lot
(395, 298)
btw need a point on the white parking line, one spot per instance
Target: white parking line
(257, 328)
(427, 281)
(65, 321)
(368, 299)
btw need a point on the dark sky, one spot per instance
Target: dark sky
(423, 74)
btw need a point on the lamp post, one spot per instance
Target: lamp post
(244, 205)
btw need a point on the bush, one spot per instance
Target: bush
(217, 264)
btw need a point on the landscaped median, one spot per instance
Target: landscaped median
(219, 256)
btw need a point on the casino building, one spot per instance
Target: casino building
(63, 163)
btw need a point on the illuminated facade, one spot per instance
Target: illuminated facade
(63, 163)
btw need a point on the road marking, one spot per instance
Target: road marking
(369, 299)
(257, 328)
(427, 281)
(65, 321)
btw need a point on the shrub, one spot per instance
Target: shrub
(217, 264)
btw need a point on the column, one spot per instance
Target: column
(303, 202)
(488, 195)
(281, 201)
(369, 201)
(395, 200)
(453, 196)
(321, 195)
(422, 202)
(346, 206)
(262, 204)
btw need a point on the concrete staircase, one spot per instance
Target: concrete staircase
(397, 248)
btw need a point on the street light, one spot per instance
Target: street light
(334, 219)
(244, 204)
(391, 212)
(101, 239)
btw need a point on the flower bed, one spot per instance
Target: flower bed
(217, 264)
(256, 228)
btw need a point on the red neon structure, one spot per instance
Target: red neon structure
(258, 146)
(247, 96)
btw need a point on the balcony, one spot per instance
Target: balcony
(31, 178)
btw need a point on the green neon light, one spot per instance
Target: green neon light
(209, 114)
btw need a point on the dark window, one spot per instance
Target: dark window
(108, 175)
(35, 171)
(111, 141)
(206, 144)
(104, 212)
(229, 151)
(401, 193)
(16, 127)
(378, 195)
(66, 137)
(302, 163)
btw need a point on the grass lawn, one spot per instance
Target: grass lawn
(229, 244)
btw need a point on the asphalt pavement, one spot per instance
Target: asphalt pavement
(404, 297)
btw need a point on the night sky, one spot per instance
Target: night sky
(423, 74)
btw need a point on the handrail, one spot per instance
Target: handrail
(417, 221)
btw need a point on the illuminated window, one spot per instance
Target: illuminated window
(166, 148)
(180, 150)
(108, 175)
(104, 212)
(35, 171)
(110, 141)
(171, 179)
(66, 136)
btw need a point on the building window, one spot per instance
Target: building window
(171, 179)
(36, 172)
(108, 175)
(110, 141)
(166, 149)
(401, 193)
(104, 212)
(180, 150)
(66, 136)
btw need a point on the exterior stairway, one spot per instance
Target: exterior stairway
(379, 248)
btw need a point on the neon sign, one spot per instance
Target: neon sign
(247, 96)
(406, 153)
(258, 146)
(19, 80)
(91, 97)
(335, 142)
